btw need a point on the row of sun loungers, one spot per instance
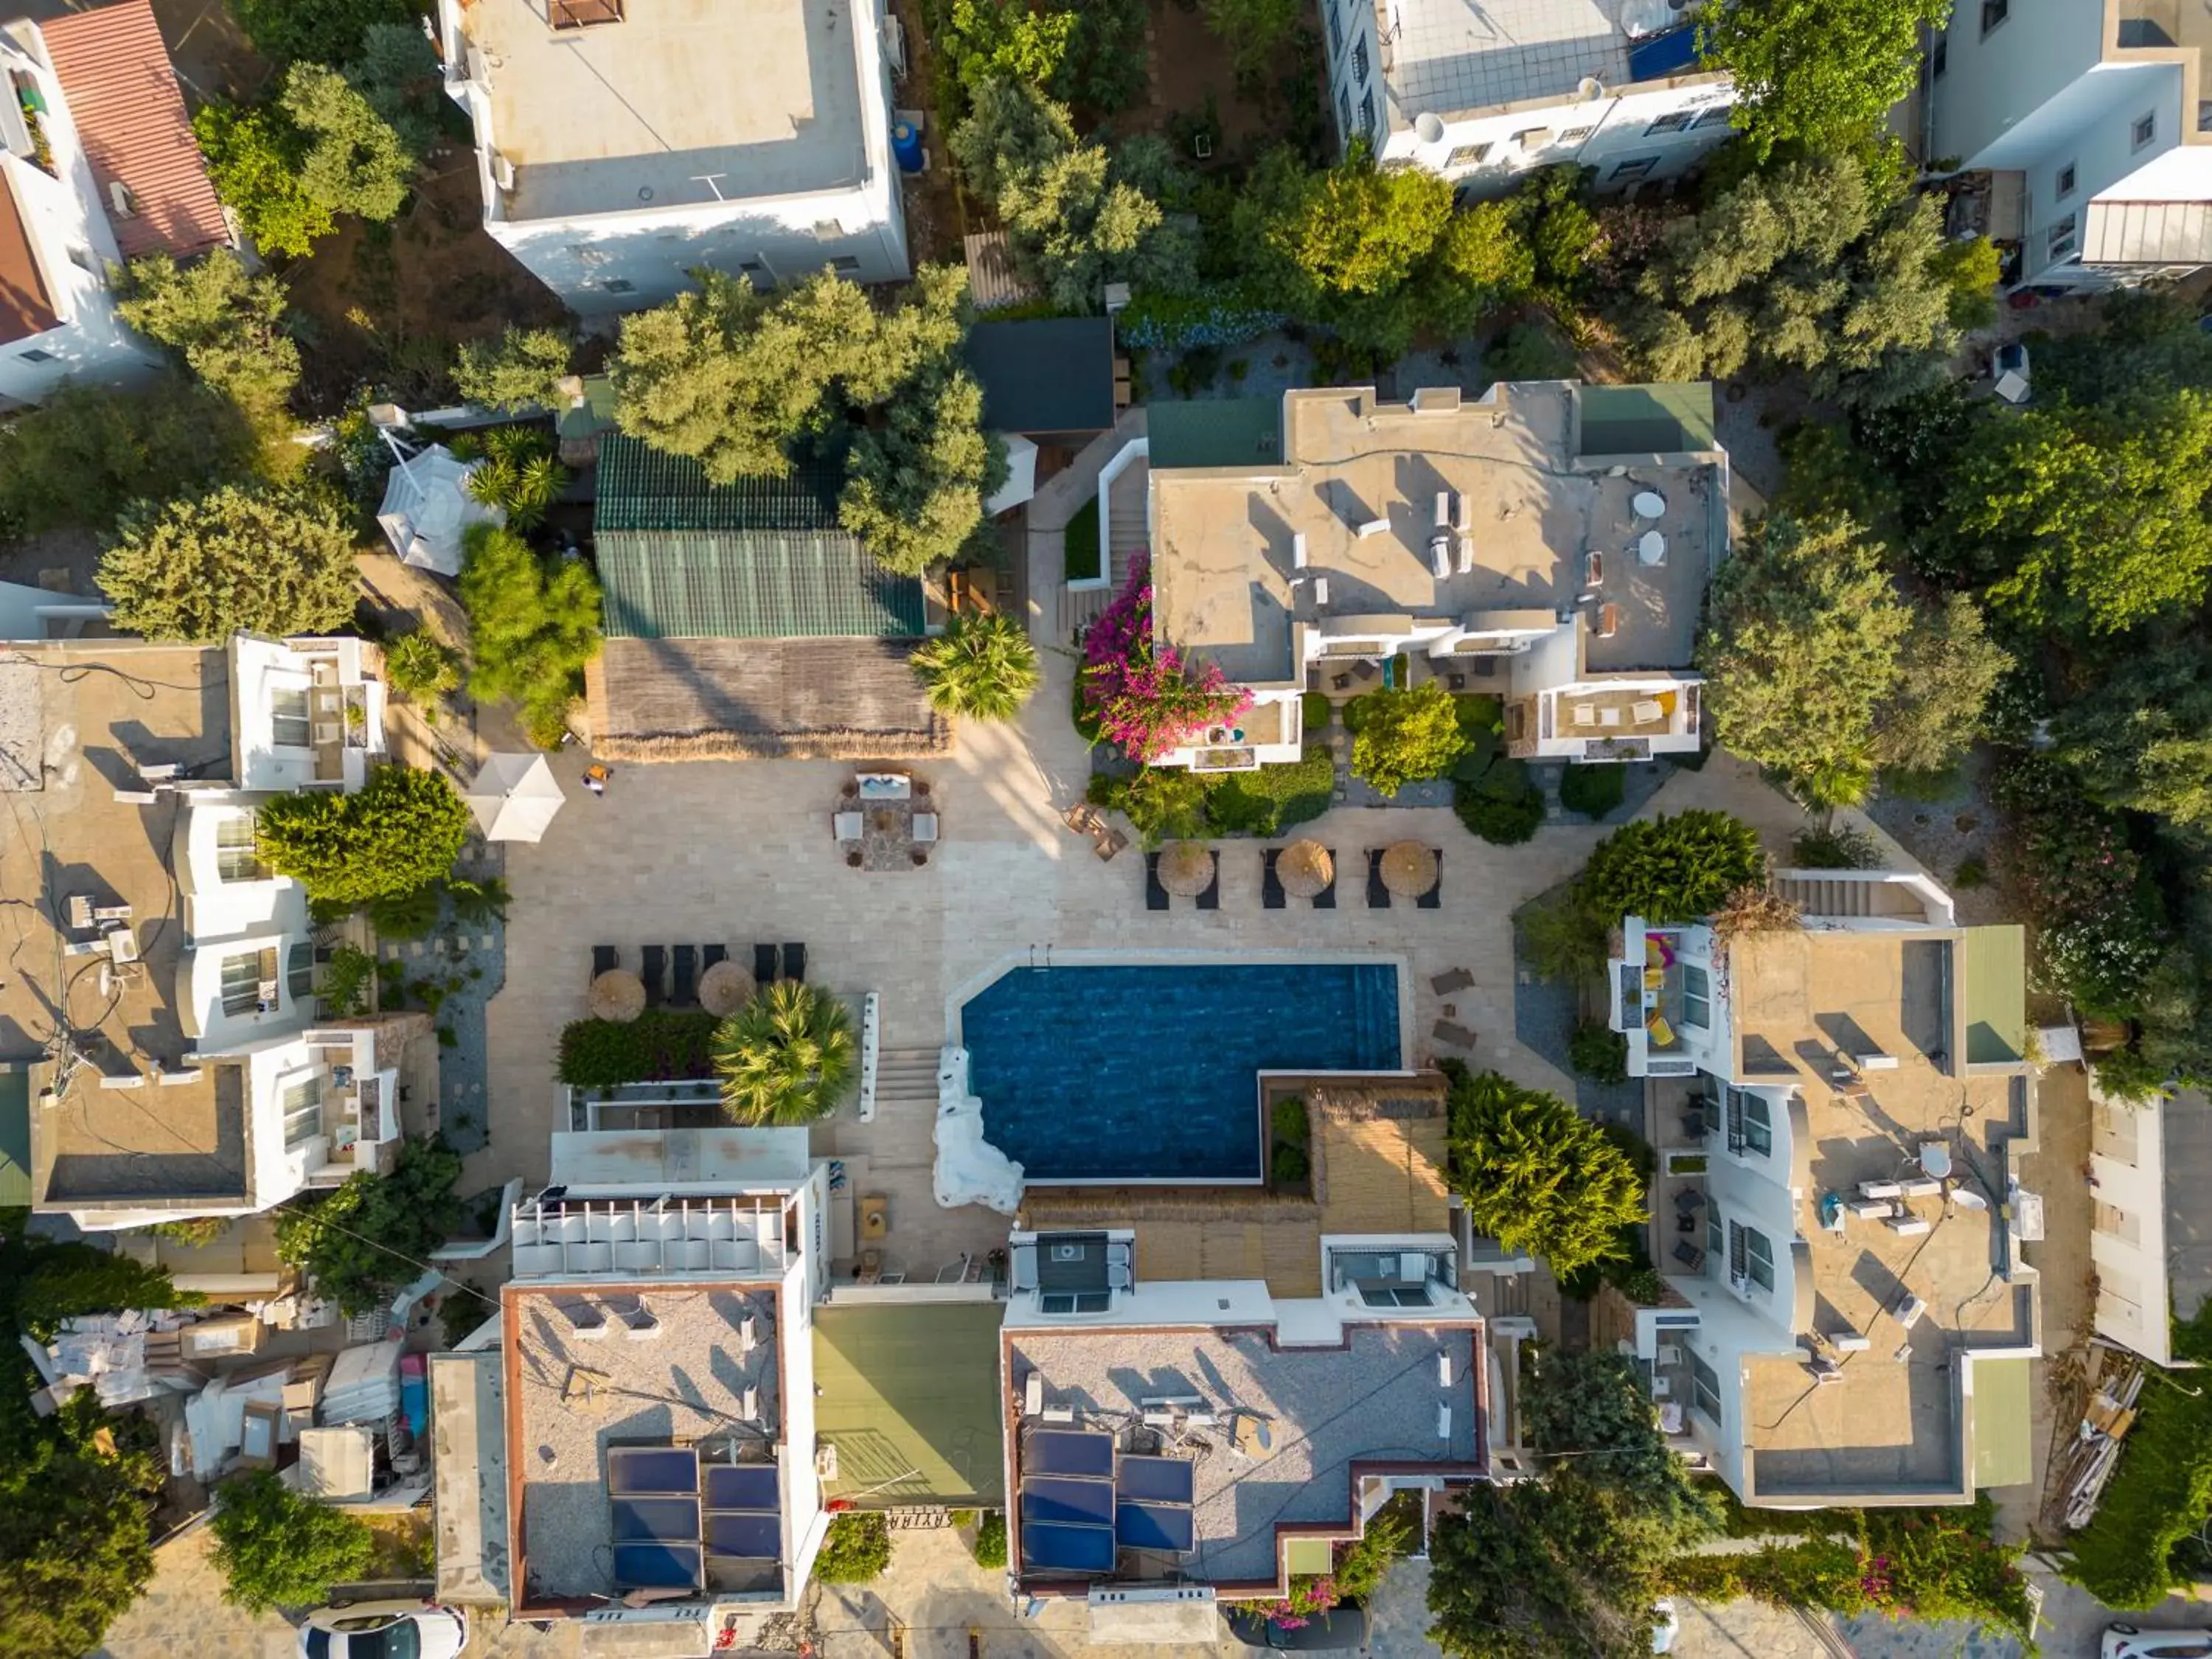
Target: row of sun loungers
(1273, 896)
(671, 974)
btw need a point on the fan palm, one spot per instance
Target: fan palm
(980, 668)
(785, 1057)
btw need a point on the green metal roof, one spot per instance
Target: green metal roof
(909, 1394)
(681, 558)
(594, 415)
(1215, 432)
(14, 1138)
(1997, 995)
(1647, 420)
(2003, 1455)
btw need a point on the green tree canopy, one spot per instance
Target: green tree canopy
(915, 486)
(2140, 736)
(277, 1549)
(241, 557)
(1822, 74)
(319, 31)
(398, 74)
(1399, 737)
(75, 1278)
(980, 668)
(226, 325)
(1551, 1569)
(75, 1531)
(401, 831)
(89, 453)
(353, 163)
(533, 625)
(253, 157)
(1535, 1176)
(1671, 869)
(1594, 1408)
(1254, 31)
(784, 1058)
(521, 369)
(364, 1241)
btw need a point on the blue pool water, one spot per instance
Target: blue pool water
(1147, 1073)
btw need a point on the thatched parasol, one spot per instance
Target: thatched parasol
(725, 988)
(1409, 869)
(1306, 869)
(617, 994)
(1186, 868)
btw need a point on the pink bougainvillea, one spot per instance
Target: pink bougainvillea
(1308, 1598)
(1146, 699)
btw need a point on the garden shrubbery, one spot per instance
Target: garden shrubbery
(661, 1045)
(1171, 803)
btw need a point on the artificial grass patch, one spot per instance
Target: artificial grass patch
(1079, 545)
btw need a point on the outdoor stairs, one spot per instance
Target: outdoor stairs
(1127, 537)
(1818, 895)
(904, 1130)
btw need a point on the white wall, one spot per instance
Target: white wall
(1618, 137)
(1993, 84)
(2092, 127)
(2127, 1240)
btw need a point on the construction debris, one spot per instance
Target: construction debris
(2114, 1380)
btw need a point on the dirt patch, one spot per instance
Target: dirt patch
(1189, 74)
(1959, 828)
(60, 561)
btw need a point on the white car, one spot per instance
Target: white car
(2126, 1642)
(384, 1629)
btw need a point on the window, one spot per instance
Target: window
(303, 1111)
(2062, 238)
(1335, 31)
(1994, 12)
(1344, 112)
(288, 719)
(35, 355)
(300, 971)
(1376, 1294)
(619, 285)
(1697, 998)
(1576, 135)
(1704, 1391)
(1750, 1256)
(243, 977)
(1367, 115)
(845, 263)
(237, 852)
(1074, 1302)
(1940, 59)
(2065, 181)
(1637, 168)
(1677, 122)
(1718, 113)
(2146, 129)
(1749, 1127)
(1359, 60)
(1467, 156)
(1716, 1235)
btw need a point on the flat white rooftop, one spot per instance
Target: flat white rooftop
(1453, 55)
(680, 102)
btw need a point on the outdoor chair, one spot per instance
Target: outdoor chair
(1211, 898)
(1326, 899)
(1156, 896)
(1082, 818)
(1107, 842)
(1688, 1200)
(687, 976)
(1457, 1036)
(1690, 1255)
(1378, 896)
(1451, 983)
(794, 962)
(711, 954)
(925, 829)
(845, 826)
(604, 959)
(1272, 896)
(1693, 1126)
(764, 964)
(655, 975)
(1434, 898)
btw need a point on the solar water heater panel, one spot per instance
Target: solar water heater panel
(1070, 1451)
(1056, 1547)
(1048, 1497)
(656, 1565)
(1154, 1527)
(669, 1519)
(1155, 1480)
(757, 1537)
(741, 1486)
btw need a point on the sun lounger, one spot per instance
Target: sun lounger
(1211, 898)
(687, 976)
(1083, 817)
(794, 962)
(1106, 842)
(1646, 711)
(1434, 898)
(1326, 899)
(1450, 984)
(655, 975)
(604, 959)
(711, 954)
(1156, 896)
(1457, 1036)
(1378, 896)
(1272, 896)
(764, 964)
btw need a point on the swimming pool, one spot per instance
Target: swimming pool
(1147, 1073)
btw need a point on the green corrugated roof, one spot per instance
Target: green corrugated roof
(1647, 420)
(1997, 995)
(14, 1138)
(680, 557)
(1215, 432)
(2003, 1455)
(594, 415)
(910, 1396)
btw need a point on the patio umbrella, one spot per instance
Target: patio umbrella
(725, 988)
(1409, 869)
(515, 797)
(617, 994)
(1187, 869)
(1306, 869)
(428, 506)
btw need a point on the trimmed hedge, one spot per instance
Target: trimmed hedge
(1593, 791)
(661, 1045)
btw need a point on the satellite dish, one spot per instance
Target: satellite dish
(1590, 87)
(1429, 129)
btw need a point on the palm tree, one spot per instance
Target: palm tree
(785, 1057)
(980, 668)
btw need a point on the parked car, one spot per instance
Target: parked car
(384, 1629)
(2126, 1642)
(1339, 1628)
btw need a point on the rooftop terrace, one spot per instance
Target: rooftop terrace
(1449, 57)
(1224, 560)
(680, 102)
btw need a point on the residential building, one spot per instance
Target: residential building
(621, 148)
(653, 1416)
(1837, 1218)
(1548, 543)
(2082, 136)
(2150, 1165)
(1206, 1388)
(743, 621)
(1049, 385)
(164, 999)
(1484, 95)
(98, 165)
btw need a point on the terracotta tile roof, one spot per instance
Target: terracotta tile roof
(26, 308)
(123, 98)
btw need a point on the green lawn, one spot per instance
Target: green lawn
(1080, 549)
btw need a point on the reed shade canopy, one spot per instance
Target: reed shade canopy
(617, 994)
(1306, 869)
(725, 988)
(1409, 869)
(1187, 869)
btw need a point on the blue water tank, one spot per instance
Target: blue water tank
(906, 145)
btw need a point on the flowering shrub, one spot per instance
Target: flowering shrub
(1146, 699)
(2085, 885)
(1309, 1597)
(1154, 321)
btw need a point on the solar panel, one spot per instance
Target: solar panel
(656, 1565)
(1070, 1451)
(1050, 1498)
(1057, 1546)
(758, 1537)
(1154, 1527)
(1155, 1480)
(743, 1486)
(647, 1471)
(669, 1520)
